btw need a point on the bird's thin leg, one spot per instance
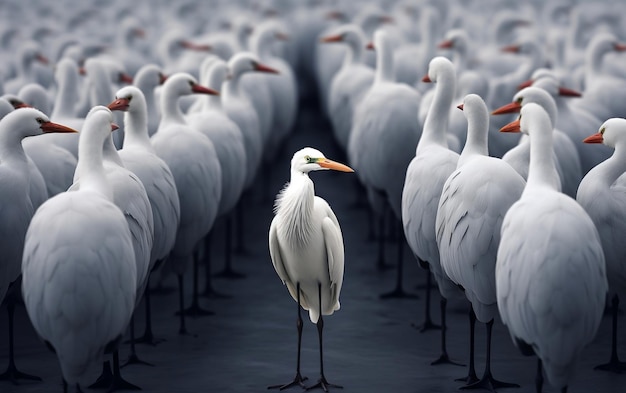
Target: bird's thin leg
(488, 381)
(322, 383)
(12, 373)
(298, 379)
(209, 291)
(380, 263)
(240, 244)
(228, 271)
(614, 364)
(539, 377)
(118, 382)
(148, 336)
(133, 358)
(564, 389)
(444, 358)
(195, 310)
(105, 379)
(181, 306)
(398, 292)
(471, 377)
(64, 385)
(428, 322)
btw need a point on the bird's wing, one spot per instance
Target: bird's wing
(335, 253)
(276, 256)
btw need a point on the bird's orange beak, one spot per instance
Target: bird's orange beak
(370, 46)
(55, 127)
(196, 47)
(525, 84)
(619, 47)
(41, 58)
(139, 32)
(114, 127)
(564, 91)
(162, 78)
(331, 38)
(511, 49)
(196, 88)
(120, 104)
(426, 79)
(281, 36)
(125, 78)
(460, 106)
(513, 107)
(595, 138)
(447, 44)
(513, 126)
(336, 166)
(263, 68)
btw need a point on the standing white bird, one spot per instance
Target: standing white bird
(602, 193)
(79, 271)
(550, 270)
(17, 207)
(193, 161)
(306, 247)
(474, 200)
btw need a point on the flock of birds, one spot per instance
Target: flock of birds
(515, 213)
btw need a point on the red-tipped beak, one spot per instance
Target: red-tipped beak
(386, 19)
(331, 38)
(619, 47)
(511, 49)
(595, 138)
(54, 127)
(447, 44)
(162, 78)
(120, 104)
(513, 107)
(139, 32)
(513, 126)
(197, 47)
(370, 46)
(114, 127)
(125, 78)
(564, 91)
(41, 58)
(525, 84)
(82, 71)
(281, 36)
(426, 79)
(263, 68)
(196, 88)
(335, 15)
(460, 106)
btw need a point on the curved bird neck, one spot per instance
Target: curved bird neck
(67, 96)
(477, 137)
(11, 149)
(354, 54)
(436, 124)
(608, 171)
(294, 209)
(170, 110)
(541, 168)
(136, 129)
(384, 63)
(90, 168)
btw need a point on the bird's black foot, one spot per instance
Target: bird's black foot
(229, 273)
(13, 374)
(614, 366)
(161, 290)
(488, 382)
(398, 293)
(323, 384)
(426, 326)
(134, 359)
(119, 383)
(298, 380)
(195, 311)
(149, 339)
(445, 359)
(105, 379)
(470, 379)
(211, 293)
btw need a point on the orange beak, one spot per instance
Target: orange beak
(426, 79)
(331, 38)
(513, 107)
(513, 126)
(120, 104)
(114, 127)
(370, 46)
(54, 127)
(336, 166)
(125, 78)
(282, 36)
(82, 71)
(263, 68)
(196, 88)
(41, 58)
(447, 44)
(460, 106)
(511, 49)
(619, 47)
(162, 78)
(525, 84)
(191, 46)
(564, 91)
(139, 32)
(595, 138)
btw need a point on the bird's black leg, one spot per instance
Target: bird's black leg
(428, 322)
(322, 383)
(228, 271)
(12, 373)
(240, 244)
(298, 379)
(181, 306)
(564, 389)
(195, 310)
(105, 379)
(488, 381)
(148, 336)
(444, 358)
(118, 382)
(539, 377)
(209, 291)
(614, 364)
(133, 358)
(380, 263)
(398, 292)
(471, 377)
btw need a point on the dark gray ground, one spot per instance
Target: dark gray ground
(250, 343)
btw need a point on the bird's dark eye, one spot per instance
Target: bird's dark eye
(191, 83)
(519, 100)
(310, 160)
(40, 120)
(129, 98)
(602, 131)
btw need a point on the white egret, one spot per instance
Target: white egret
(306, 247)
(551, 280)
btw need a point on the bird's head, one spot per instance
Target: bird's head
(309, 159)
(611, 133)
(31, 122)
(532, 118)
(128, 98)
(150, 76)
(185, 84)
(247, 62)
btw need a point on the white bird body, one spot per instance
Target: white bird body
(79, 275)
(305, 240)
(474, 200)
(550, 273)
